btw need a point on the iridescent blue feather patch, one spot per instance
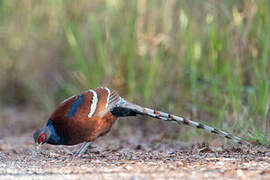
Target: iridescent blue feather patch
(74, 106)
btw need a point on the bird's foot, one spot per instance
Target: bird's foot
(82, 150)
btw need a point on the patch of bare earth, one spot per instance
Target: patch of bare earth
(114, 158)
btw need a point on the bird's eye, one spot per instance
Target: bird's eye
(42, 138)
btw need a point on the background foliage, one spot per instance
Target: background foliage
(203, 59)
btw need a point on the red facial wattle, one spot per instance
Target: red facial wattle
(42, 138)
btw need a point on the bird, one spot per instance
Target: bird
(87, 116)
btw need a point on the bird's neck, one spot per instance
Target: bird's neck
(54, 136)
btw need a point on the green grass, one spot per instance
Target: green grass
(199, 59)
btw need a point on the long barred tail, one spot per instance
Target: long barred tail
(124, 108)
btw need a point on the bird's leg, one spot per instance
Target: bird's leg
(83, 149)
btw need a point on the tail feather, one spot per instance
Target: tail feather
(133, 109)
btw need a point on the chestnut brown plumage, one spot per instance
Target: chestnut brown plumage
(85, 117)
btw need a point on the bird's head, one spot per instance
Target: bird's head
(41, 136)
(49, 135)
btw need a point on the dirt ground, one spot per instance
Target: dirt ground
(130, 154)
(128, 158)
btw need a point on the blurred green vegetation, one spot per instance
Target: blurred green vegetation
(203, 59)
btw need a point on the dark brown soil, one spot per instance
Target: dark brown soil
(128, 158)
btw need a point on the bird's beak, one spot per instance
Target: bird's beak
(38, 146)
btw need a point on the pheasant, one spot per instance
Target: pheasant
(85, 117)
